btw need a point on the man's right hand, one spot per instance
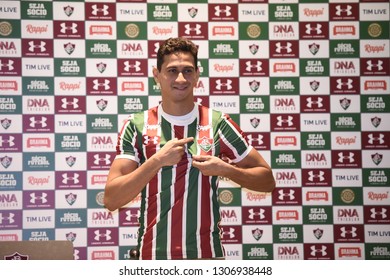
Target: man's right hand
(173, 151)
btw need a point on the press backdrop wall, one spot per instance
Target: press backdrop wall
(308, 81)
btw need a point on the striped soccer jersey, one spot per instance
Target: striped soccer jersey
(179, 207)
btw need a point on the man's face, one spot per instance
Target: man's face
(177, 77)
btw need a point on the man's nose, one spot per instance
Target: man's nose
(180, 77)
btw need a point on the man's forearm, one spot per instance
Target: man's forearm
(123, 189)
(255, 178)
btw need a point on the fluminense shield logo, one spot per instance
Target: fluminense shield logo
(254, 85)
(257, 233)
(102, 104)
(69, 48)
(318, 233)
(345, 103)
(16, 256)
(101, 67)
(205, 143)
(6, 123)
(192, 12)
(6, 161)
(314, 48)
(71, 198)
(68, 10)
(254, 48)
(376, 121)
(377, 158)
(70, 161)
(255, 122)
(314, 85)
(71, 236)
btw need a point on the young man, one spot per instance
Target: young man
(173, 154)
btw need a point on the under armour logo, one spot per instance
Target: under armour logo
(135, 66)
(66, 178)
(227, 84)
(251, 139)
(105, 159)
(69, 102)
(34, 197)
(340, 10)
(313, 27)
(10, 140)
(287, 47)
(284, 120)
(40, 46)
(105, 234)
(147, 139)
(97, 84)
(382, 213)
(10, 218)
(68, 27)
(344, 83)
(219, 10)
(132, 215)
(379, 139)
(343, 157)
(9, 65)
(289, 194)
(319, 176)
(103, 9)
(250, 66)
(351, 231)
(229, 233)
(38, 121)
(318, 250)
(253, 214)
(371, 65)
(311, 101)
(189, 29)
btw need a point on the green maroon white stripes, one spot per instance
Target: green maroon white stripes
(179, 208)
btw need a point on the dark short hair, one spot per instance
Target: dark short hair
(173, 45)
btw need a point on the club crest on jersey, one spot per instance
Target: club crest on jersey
(205, 143)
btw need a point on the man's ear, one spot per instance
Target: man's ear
(155, 74)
